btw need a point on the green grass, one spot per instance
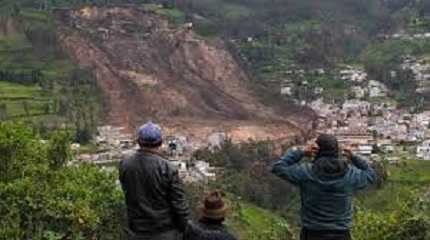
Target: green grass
(19, 55)
(15, 96)
(35, 15)
(414, 172)
(251, 222)
(14, 43)
(22, 59)
(235, 12)
(401, 181)
(174, 15)
(13, 90)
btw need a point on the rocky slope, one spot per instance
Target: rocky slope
(149, 70)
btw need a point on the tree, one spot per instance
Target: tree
(80, 103)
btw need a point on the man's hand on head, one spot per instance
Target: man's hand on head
(311, 150)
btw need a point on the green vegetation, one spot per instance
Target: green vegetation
(39, 84)
(42, 198)
(174, 15)
(47, 198)
(413, 172)
(18, 101)
(409, 221)
(250, 222)
(273, 38)
(399, 206)
(382, 58)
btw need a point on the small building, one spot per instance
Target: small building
(353, 74)
(286, 90)
(377, 89)
(423, 150)
(181, 167)
(386, 145)
(203, 171)
(358, 92)
(365, 149)
(356, 138)
(216, 139)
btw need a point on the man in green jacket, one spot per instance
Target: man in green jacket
(327, 186)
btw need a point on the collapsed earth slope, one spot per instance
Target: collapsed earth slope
(150, 70)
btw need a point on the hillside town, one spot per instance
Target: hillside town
(371, 120)
(368, 120)
(113, 146)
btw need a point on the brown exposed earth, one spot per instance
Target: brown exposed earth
(149, 70)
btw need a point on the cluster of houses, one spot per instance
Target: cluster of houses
(421, 70)
(369, 120)
(113, 145)
(196, 171)
(406, 36)
(368, 126)
(360, 86)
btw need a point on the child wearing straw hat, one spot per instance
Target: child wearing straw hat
(210, 225)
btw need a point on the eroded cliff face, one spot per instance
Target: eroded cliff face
(148, 70)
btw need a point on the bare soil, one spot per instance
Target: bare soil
(149, 70)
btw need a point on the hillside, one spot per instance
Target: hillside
(253, 69)
(150, 70)
(39, 83)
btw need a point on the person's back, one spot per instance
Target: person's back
(327, 203)
(156, 203)
(210, 226)
(326, 186)
(207, 231)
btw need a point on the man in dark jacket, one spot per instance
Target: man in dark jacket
(210, 225)
(326, 187)
(156, 203)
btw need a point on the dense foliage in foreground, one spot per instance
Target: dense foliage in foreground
(44, 197)
(392, 210)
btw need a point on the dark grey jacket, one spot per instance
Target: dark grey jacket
(154, 195)
(207, 231)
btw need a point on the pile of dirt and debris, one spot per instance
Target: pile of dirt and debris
(150, 70)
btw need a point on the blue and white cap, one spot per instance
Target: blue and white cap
(149, 135)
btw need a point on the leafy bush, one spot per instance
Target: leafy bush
(410, 222)
(19, 152)
(247, 174)
(40, 198)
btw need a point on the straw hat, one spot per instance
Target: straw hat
(214, 206)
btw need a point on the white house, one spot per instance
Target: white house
(377, 89)
(365, 149)
(202, 171)
(423, 150)
(182, 168)
(358, 92)
(287, 90)
(216, 139)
